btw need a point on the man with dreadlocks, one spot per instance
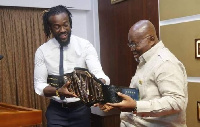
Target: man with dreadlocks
(65, 109)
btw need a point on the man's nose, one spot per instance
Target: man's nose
(63, 29)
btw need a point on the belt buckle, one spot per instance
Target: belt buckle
(64, 105)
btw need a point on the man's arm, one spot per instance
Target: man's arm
(173, 90)
(40, 80)
(94, 64)
(171, 82)
(40, 73)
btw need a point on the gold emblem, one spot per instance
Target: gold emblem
(140, 82)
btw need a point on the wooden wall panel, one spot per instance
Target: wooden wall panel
(114, 23)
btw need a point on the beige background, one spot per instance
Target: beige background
(170, 9)
(193, 97)
(180, 39)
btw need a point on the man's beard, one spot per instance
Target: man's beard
(61, 42)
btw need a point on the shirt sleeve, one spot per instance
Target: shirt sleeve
(172, 85)
(93, 63)
(40, 73)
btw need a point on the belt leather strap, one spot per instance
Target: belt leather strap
(67, 105)
(90, 89)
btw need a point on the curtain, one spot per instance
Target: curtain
(21, 34)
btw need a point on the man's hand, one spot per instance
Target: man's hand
(102, 80)
(63, 91)
(103, 107)
(127, 104)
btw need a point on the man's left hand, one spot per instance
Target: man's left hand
(127, 104)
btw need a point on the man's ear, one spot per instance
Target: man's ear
(152, 38)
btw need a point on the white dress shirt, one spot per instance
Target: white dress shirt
(162, 82)
(79, 53)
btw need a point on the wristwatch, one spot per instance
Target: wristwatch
(134, 109)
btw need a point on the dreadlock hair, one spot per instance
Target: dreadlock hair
(54, 11)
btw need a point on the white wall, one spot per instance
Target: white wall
(93, 26)
(76, 4)
(79, 23)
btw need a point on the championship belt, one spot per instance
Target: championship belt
(90, 89)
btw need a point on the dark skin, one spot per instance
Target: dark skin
(61, 30)
(143, 34)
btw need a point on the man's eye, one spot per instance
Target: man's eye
(66, 25)
(56, 27)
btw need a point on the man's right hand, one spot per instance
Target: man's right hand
(126, 105)
(63, 91)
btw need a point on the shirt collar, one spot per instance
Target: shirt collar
(148, 54)
(72, 43)
(56, 44)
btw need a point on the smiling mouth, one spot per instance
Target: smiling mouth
(135, 54)
(63, 36)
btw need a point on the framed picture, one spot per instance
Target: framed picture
(116, 1)
(197, 48)
(198, 110)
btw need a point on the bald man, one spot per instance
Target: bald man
(161, 80)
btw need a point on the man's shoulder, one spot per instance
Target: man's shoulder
(165, 54)
(48, 43)
(77, 39)
(80, 42)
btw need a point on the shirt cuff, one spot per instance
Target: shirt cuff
(40, 87)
